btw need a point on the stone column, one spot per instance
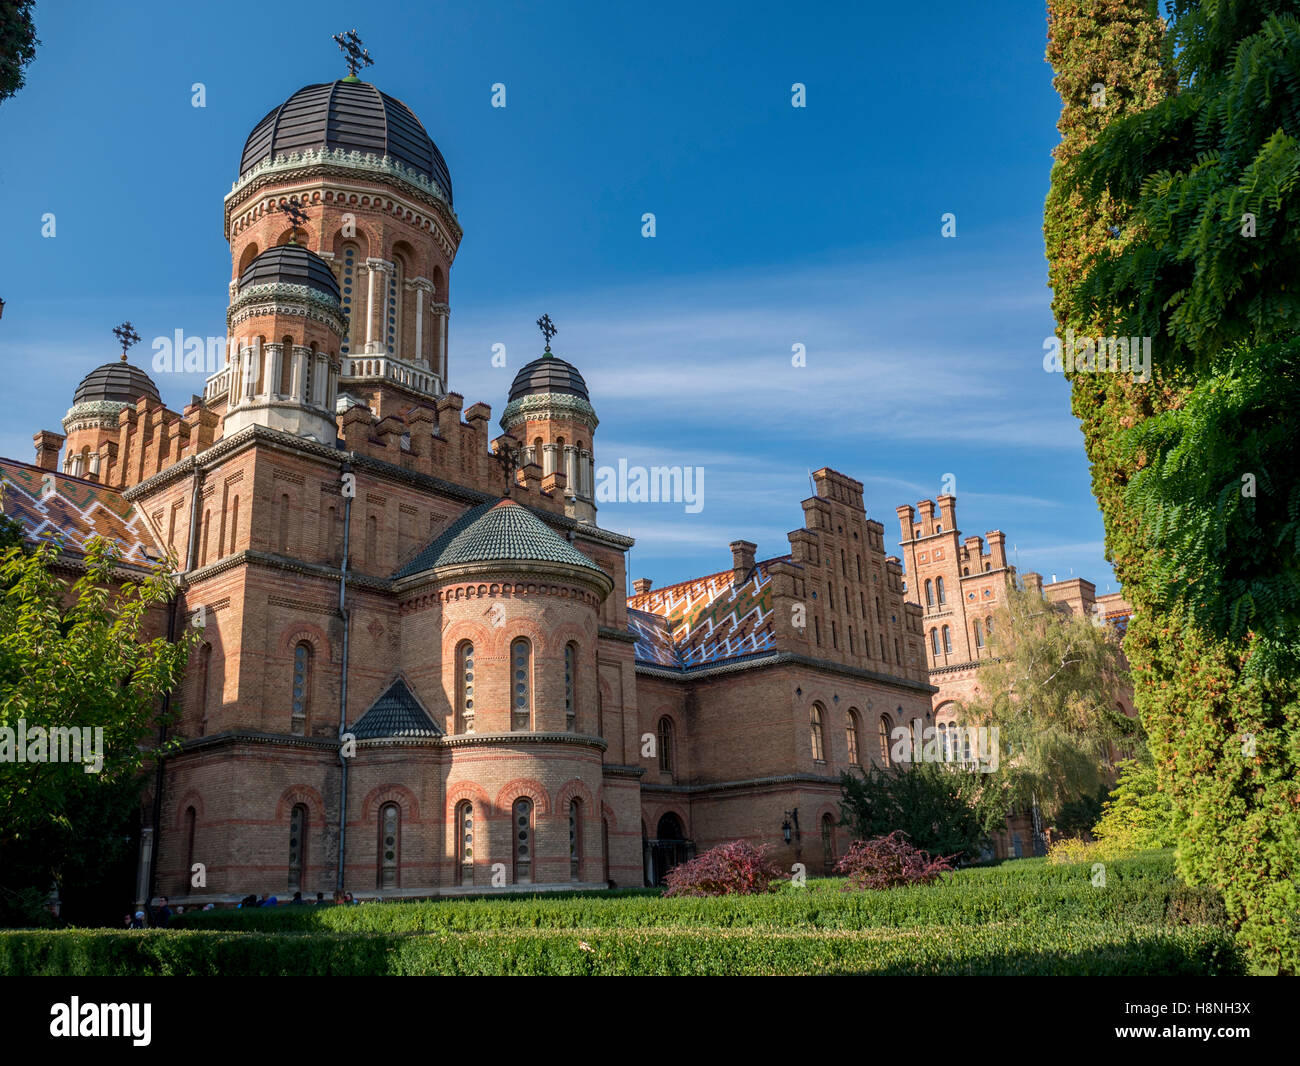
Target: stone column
(253, 368)
(549, 465)
(571, 468)
(377, 316)
(584, 474)
(419, 325)
(275, 359)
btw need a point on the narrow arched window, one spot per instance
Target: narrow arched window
(965, 741)
(205, 681)
(191, 827)
(851, 735)
(815, 725)
(570, 686)
(929, 592)
(297, 846)
(302, 662)
(465, 842)
(938, 588)
(465, 687)
(282, 527)
(522, 820)
(666, 760)
(575, 839)
(934, 640)
(979, 634)
(947, 640)
(521, 670)
(886, 727)
(285, 385)
(355, 340)
(390, 829)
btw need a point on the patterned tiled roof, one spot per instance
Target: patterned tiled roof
(497, 530)
(73, 510)
(397, 713)
(705, 620)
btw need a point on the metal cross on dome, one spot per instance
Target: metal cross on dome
(294, 209)
(355, 56)
(548, 329)
(127, 336)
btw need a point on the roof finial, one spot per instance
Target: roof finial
(356, 57)
(297, 216)
(548, 330)
(127, 336)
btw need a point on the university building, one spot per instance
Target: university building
(368, 559)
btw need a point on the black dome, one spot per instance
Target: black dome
(291, 264)
(548, 374)
(116, 382)
(353, 116)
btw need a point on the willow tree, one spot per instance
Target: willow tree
(1173, 217)
(1049, 689)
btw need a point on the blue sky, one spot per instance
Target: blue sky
(775, 226)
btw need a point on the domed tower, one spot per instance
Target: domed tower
(289, 321)
(92, 422)
(377, 196)
(550, 414)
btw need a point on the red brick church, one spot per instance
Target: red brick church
(369, 562)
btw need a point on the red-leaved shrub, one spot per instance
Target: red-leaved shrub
(729, 869)
(889, 861)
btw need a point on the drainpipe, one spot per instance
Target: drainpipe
(343, 686)
(172, 612)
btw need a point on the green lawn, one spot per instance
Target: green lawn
(1023, 917)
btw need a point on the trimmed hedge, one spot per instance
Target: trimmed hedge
(1026, 917)
(1142, 891)
(1061, 948)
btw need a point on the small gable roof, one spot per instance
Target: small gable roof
(397, 713)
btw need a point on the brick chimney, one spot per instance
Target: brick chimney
(1033, 583)
(742, 560)
(48, 445)
(641, 586)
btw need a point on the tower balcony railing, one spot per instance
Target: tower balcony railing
(390, 368)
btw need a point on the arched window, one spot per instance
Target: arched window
(929, 592)
(465, 842)
(965, 741)
(988, 625)
(522, 815)
(666, 754)
(521, 667)
(979, 634)
(297, 846)
(934, 640)
(284, 386)
(302, 663)
(988, 566)
(942, 730)
(465, 687)
(828, 843)
(851, 735)
(938, 588)
(947, 640)
(393, 307)
(886, 727)
(571, 686)
(390, 829)
(815, 723)
(575, 838)
(354, 342)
